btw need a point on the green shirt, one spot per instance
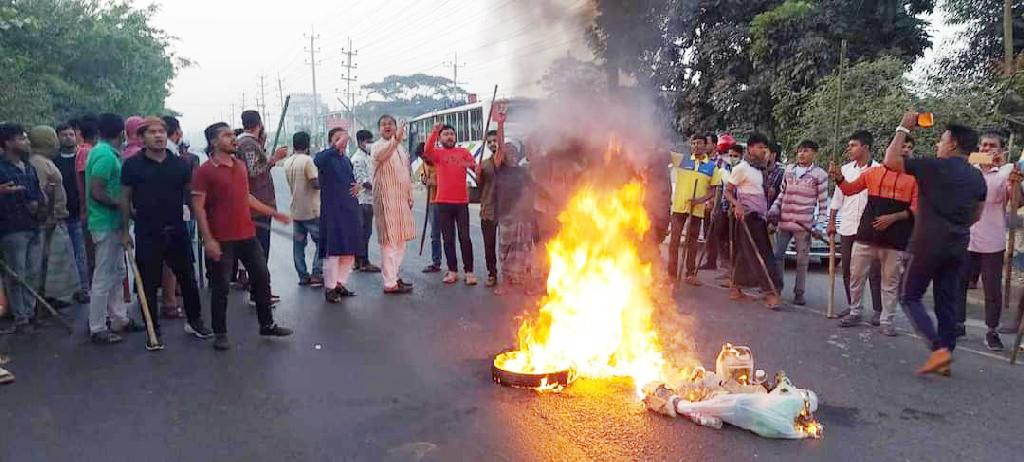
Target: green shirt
(104, 163)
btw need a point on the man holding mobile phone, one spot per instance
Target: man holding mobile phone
(19, 234)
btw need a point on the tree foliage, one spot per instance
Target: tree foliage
(60, 58)
(411, 95)
(980, 55)
(568, 75)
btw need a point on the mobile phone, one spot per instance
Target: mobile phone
(980, 158)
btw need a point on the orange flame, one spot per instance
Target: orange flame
(597, 317)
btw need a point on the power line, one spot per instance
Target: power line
(316, 98)
(347, 77)
(455, 65)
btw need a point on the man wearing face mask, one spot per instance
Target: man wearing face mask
(452, 198)
(363, 167)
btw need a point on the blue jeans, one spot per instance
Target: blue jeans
(939, 266)
(23, 253)
(435, 236)
(77, 238)
(301, 229)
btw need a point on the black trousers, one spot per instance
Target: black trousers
(874, 276)
(456, 217)
(250, 253)
(718, 241)
(172, 247)
(748, 271)
(367, 213)
(990, 267)
(490, 228)
(942, 265)
(679, 220)
(263, 236)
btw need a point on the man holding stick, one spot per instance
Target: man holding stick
(156, 185)
(223, 204)
(697, 180)
(20, 199)
(951, 197)
(392, 201)
(755, 261)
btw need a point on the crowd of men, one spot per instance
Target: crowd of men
(111, 191)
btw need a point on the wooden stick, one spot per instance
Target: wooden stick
(830, 312)
(280, 122)
(31, 291)
(426, 218)
(1011, 241)
(146, 315)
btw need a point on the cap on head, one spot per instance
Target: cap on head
(43, 139)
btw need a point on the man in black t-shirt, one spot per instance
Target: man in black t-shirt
(65, 161)
(156, 183)
(950, 199)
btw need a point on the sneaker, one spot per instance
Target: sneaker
(370, 268)
(316, 282)
(993, 342)
(876, 319)
(937, 363)
(432, 269)
(850, 320)
(798, 300)
(450, 277)
(6, 376)
(221, 343)
(304, 281)
(961, 330)
(105, 338)
(471, 279)
(888, 330)
(198, 330)
(275, 330)
(491, 281)
(154, 346)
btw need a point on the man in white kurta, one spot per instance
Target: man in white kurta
(392, 202)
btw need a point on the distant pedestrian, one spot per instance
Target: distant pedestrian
(800, 211)
(223, 206)
(746, 192)
(363, 166)
(452, 199)
(341, 231)
(156, 184)
(392, 201)
(304, 182)
(485, 182)
(65, 162)
(849, 209)
(20, 199)
(109, 232)
(952, 197)
(697, 182)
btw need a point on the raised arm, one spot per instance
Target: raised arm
(894, 153)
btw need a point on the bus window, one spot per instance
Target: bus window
(476, 123)
(462, 129)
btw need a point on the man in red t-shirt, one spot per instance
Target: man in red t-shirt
(222, 204)
(452, 199)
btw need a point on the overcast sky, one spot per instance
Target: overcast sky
(234, 42)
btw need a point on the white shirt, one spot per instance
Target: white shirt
(850, 207)
(749, 183)
(988, 235)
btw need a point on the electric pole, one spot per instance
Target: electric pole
(316, 98)
(455, 65)
(349, 66)
(263, 97)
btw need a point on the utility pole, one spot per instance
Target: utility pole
(243, 101)
(1008, 36)
(348, 53)
(455, 65)
(316, 98)
(263, 97)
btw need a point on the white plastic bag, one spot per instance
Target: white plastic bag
(771, 415)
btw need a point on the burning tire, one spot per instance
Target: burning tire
(542, 381)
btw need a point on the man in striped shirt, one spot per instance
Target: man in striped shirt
(800, 211)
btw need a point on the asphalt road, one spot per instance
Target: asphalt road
(407, 378)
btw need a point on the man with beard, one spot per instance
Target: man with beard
(452, 199)
(362, 166)
(392, 201)
(488, 223)
(19, 236)
(155, 186)
(340, 224)
(223, 205)
(697, 180)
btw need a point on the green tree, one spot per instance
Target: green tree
(60, 58)
(411, 95)
(980, 56)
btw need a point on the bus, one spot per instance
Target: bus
(469, 120)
